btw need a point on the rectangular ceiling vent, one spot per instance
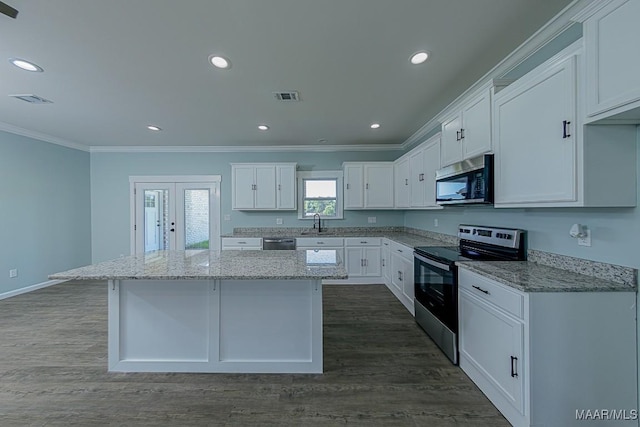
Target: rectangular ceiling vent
(32, 99)
(287, 96)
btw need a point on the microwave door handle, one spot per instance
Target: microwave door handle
(431, 262)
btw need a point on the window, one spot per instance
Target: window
(320, 192)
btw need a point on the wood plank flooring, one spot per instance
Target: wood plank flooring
(380, 369)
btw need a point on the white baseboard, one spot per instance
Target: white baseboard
(29, 289)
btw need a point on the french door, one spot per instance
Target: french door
(175, 213)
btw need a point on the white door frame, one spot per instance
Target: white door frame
(214, 242)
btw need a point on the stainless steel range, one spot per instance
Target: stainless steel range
(436, 277)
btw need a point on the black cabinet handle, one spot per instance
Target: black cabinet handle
(565, 129)
(514, 366)
(458, 135)
(480, 289)
(461, 133)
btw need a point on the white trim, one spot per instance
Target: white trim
(540, 38)
(174, 178)
(31, 288)
(249, 148)
(329, 174)
(42, 137)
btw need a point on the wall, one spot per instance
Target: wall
(110, 190)
(614, 230)
(45, 210)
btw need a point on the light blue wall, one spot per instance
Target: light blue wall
(615, 231)
(110, 190)
(45, 210)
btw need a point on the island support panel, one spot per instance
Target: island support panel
(249, 326)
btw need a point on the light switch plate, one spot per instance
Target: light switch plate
(372, 220)
(13, 273)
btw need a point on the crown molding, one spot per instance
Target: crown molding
(42, 137)
(540, 38)
(248, 148)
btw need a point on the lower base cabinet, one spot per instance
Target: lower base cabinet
(547, 358)
(401, 272)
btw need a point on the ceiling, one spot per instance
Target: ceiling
(112, 67)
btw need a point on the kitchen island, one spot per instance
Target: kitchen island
(212, 311)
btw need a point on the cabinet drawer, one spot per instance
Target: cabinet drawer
(492, 292)
(321, 242)
(404, 251)
(362, 241)
(253, 242)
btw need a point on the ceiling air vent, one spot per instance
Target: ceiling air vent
(287, 96)
(33, 99)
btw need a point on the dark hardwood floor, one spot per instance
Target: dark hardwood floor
(380, 369)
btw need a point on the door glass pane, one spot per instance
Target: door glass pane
(156, 220)
(196, 219)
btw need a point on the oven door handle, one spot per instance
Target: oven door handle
(437, 264)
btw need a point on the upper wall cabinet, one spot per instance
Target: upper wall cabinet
(415, 176)
(611, 35)
(263, 186)
(545, 156)
(368, 185)
(467, 132)
(402, 175)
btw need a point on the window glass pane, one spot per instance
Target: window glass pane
(196, 219)
(156, 220)
(322, 207)
(320, 188)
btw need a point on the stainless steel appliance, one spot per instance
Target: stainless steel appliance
(466, 182)
(278, 243)
(436, 277)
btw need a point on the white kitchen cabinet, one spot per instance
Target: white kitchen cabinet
(544, 156)
(318, 243)
(363, 256)
(241, 243)
(541, 356)
(402, 174)
(466, 133)
(368, 185)
(402, 275)
(263, 186)
(611, 34)
(424, 163)
(385, 262)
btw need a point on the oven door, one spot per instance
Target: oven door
(436, 289)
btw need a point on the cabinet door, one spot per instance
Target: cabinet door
(385, 263)
(265, 185)
(354, 262)
(378, 185)
(418, 176)
(371, 258)
(612, 59)
(402, 185)
(397, 272)
(476, 126)
(408, 281)
(451, 151)
(243, 187)
(353, 186)
(493, 344)
(535, 138)
(431, 155)
(286, 186)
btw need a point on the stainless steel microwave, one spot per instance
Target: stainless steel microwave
(466, 182)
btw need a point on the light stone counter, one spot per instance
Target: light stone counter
(203, 265)
(532, 277)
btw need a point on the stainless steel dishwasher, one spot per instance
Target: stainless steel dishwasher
(278, 243)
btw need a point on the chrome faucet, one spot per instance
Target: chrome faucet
(319, 224)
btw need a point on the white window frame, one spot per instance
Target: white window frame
(337, 175)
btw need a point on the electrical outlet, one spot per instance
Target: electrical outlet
(13, 273)
(585, 241)
(279, 221)
(435, 222)
(372, 220)
(227, 217)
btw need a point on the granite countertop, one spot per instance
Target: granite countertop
(532, 277)
(409, 239)
(205, 264)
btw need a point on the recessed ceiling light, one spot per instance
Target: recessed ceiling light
(26, 65)
(154, 128)
(419, 57)
(219, 62)
(375, 125)
(263, 127)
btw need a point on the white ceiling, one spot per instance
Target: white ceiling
(114, 66)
